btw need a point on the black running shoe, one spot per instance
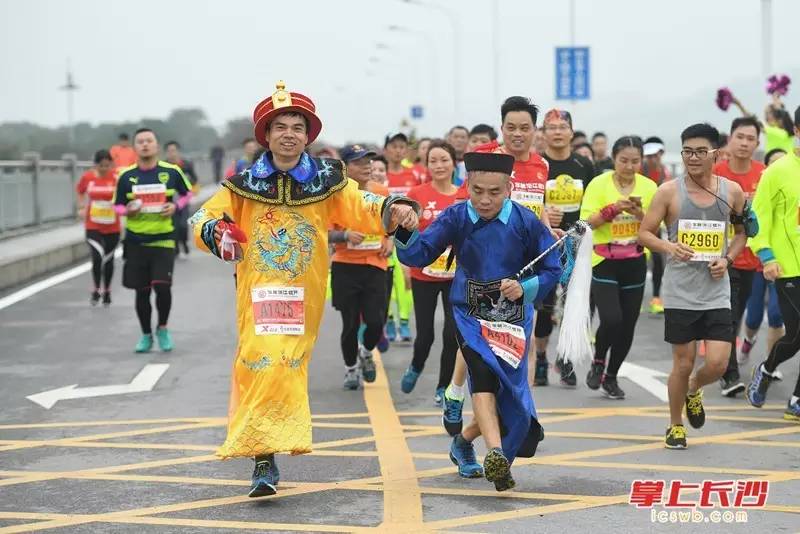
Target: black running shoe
(540, 375)
(731, 385)
(595, 376)
(676, 437)
(694, 409)
(611, 389)
(568, 377)
(107, 298)
(94, 299)
(498, 470)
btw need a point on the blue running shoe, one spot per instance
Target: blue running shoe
(438, 397)
(409, 380)
(452, 418)
(792, 412)
(462, 454)
(265, 477)
(383, 344)
(367, 363)
(405, 331)
(757, 389)
(164, 339)
(391, 332)
(145, 343)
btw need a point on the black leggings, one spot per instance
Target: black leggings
(163, 305)
(658, 273)
(789, 344)
(358, 295)
(481, 377)
(425, 298)
(617, 288)
(741, 287)
(102, 248)
(544, 316)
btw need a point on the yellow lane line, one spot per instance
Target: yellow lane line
(402, 502)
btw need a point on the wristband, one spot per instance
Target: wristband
(609, 212)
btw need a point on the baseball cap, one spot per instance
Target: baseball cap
(354, 152)
(394, 137)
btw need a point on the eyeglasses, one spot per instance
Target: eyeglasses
(701, 153)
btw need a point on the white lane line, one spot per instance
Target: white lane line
(49, 282)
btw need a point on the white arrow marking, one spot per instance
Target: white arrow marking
(646, 378)
(144, 381)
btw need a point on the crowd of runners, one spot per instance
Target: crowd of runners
(387, 232)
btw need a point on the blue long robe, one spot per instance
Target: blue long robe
(486, 252)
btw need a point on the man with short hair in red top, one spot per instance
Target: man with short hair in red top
(745, 171)
(123, 153)
(95, 202)
(400, 178)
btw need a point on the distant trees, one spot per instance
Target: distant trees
(188, 126)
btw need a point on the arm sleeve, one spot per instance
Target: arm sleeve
(762, 207)
(421, 249)
(357, 210)
(337, 236)
(205, 220)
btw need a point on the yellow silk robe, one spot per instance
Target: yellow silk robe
(286, 223)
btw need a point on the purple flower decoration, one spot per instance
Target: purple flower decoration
(778, 84)
(724, 98)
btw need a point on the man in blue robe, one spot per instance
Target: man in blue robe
(492, 238)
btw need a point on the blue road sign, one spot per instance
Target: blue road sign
(572, 73)
(416, 112)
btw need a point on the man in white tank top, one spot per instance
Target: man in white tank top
(696, 293)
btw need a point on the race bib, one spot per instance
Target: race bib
(531, 200)
(102, 212)
(153, 197)
(706, 238)
(624, 229)
(506, 340)
(278, 310)
(565, 193)
(399, 190)
(370, 242)
(438, 269)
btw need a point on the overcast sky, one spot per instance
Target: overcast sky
(145, 57)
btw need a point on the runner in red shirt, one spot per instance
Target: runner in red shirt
(95, 193)
(742, 169)
(435, 279)
(400, 179)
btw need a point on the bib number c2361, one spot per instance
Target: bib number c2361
(565, 193)
(278, 310)
(706, 238)
(506, 340)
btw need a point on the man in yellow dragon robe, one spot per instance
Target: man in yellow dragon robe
(271, 220)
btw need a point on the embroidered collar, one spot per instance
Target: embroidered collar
(305, 170)
(503, 216)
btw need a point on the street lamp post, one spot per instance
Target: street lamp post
(70, 87)
(766, 37)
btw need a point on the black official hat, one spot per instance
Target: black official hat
(489, 162)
